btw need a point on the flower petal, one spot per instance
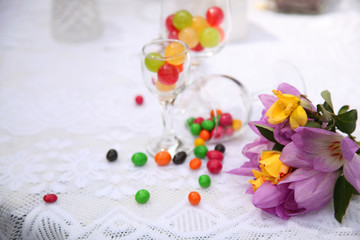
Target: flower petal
(326, 161)
(276, 113)
(282, 134)
(315, 192)
(288, 89)
(244, 170)
(298, 118)
(348, 148)
(352, 171)
(294, 157)
(298, 175)
(268, 195)
(267, 100)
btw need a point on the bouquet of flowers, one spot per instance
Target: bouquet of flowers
(304, 156)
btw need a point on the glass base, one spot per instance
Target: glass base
(172, 145)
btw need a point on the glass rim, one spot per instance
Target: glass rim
(157, 41)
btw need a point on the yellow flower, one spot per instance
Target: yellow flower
(272, 169)
(287, 106)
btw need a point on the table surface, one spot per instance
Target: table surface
(63, 106)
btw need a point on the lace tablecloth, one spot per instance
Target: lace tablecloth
(63, 106)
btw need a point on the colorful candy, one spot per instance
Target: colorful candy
(195, 163)
(198, 48)
(199, 141)
(199, 23)
(190, 121)
(204, 181)
(218, 112)
(215, 155)
(210, 37)
(220, 148)
(208, 125)
(50, 198)
(214, 16)
(198, 120)
(175, 53)
(168, 74)
(139, 100)
(139, 159)
(111, 155)
(163, 87)
(204, 134)
(194, 198)
(225, 119)
(163, 158)
(236, 124)
(142, 196)
(153, 62)
(218, 132)
(214, 166)
(182, 19)
(195, 129)
(189, 36)
(179, 157)
(169, 24)
(200, 151)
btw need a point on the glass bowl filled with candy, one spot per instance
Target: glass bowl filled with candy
(204, 25)
(215, 109)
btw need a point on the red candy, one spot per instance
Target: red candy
(168, 74)
(229, 131)
(50, 198)
(214, 166)
(219, 132)
(215, 155)
(169, 23)
(225, 119)
(214, 16)
(173, 35)
(198, 48)
(198, 120)
(139, 100)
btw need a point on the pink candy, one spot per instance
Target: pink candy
(214, 166)
(215, 155)
(225, 119)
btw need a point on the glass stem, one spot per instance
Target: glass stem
(166, 112)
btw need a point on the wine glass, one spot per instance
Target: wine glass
(165, 68)
(204, 25)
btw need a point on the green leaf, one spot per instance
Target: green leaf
(267, 132)
(327, 97)
(343, 109)
(313, 124)
(278, 147)
(346, 122)
(342, 195)
(326, 114)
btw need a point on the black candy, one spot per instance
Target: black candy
(220, 148)
(111, 155)
(179, 158)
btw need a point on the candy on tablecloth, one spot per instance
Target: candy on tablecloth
(215, 155)
(179, 157)
(111, 155)
(139, 100)
(195, 163)
(50, 198)
(220, 147)
(139, 159)
(214, 166)
(200, 151)
(194, 198)
(142, 196)
(162, 158)
(199, 141)
(204, 181)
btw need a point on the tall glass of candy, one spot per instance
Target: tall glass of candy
(204, 25)
(165, 68)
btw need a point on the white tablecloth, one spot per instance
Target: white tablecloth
(63, 106)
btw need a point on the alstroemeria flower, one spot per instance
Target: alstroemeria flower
(287, 106)
(325, 151)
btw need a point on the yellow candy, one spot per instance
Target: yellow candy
(199, 23)
(164, 88)
(189, 36)
(199, 141)
(175, 49)
(236, 124)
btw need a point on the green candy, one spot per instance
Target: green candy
(182, 19)
(208, 124)
(142, 196)
(153, 63)
(139, 159)
(200, 151)
(210, 37)
(204, 181)
(195, 129)
(189, 121)
(218, 120)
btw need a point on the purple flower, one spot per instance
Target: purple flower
(352, 163)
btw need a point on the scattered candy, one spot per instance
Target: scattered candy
(175, 49)
(214, 16)
(153, 62)
(162, 158)
(200, 151)
(139, 100)
(142, 196)
(210, 37)
(215, 155)
(195, 163)
(111, 155)
(214, 166)
(220, 148)
(204, 181)
(225, 119)
(180, 157)
(199, 141)
(50, 198)
(194, 198)
(195, 129)
(208, 124)
(204, 134)
(182, 19)
(139, 159)
(189, 36)
(168, 74)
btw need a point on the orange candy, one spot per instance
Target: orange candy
(194, 198)
(195, 163)
(218, 112)
(204, 134)
(162, 158)
(221, 31)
